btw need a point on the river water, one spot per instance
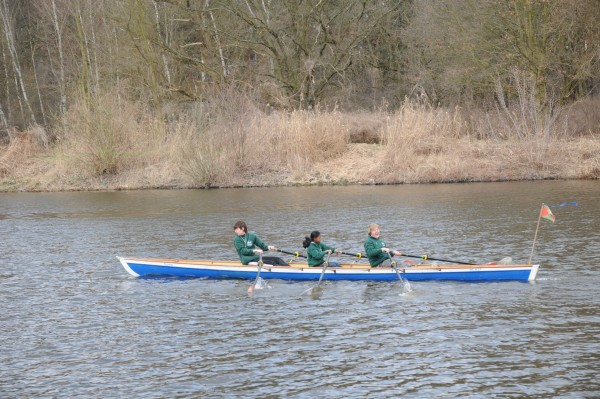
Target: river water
(74, 324)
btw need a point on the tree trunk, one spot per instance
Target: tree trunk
(10, 42)
(61, 82)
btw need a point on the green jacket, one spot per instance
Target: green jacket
(373, 250)
(245, 245)
(316, 253)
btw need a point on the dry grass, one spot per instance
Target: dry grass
(302, 139)
(417, 131)
(109, 145)
(19, 154)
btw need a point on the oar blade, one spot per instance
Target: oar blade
(314, 292)
(256, 280)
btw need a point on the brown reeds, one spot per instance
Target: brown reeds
(20, 151)
(110, 145)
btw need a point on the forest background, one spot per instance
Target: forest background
(127, 94)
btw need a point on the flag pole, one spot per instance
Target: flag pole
(536, 232)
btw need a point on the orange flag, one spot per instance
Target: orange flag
(546, 213)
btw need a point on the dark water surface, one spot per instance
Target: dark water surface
(74, 324)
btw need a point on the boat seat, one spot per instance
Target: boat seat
(256, 264)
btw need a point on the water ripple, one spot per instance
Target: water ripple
(74, 324)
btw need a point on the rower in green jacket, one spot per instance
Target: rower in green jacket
(248, 246)
(316, 250)
(375, 248)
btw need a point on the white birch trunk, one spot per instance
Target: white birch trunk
(10, 42)
(94, 65)
(86, 48)
(3, 121)
(217, 39)
(61, 83)
(165, 39)
(5, 66)
(37, 85)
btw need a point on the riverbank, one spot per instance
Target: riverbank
(130, 151)
(359, 164)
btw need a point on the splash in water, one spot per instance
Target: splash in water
(262, 284)
(406, 287)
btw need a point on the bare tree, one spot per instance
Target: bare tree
(217, 38)
(165, 37)
(8, 27)
(61, 59)
(311, 44)
(461, 48)
(7, 97)
(3, 121)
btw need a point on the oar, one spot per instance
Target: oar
(260, 265)
(358, 255)
(394, 265)
(296, 254)
(310, 291)
(405, 284)
(424, 257)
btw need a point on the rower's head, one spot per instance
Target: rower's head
(315, 236)
(374, 230)
(240, 227)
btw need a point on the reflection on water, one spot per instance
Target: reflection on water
(74, 324)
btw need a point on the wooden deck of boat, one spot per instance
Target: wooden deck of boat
(303, 265)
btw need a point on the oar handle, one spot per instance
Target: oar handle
(296, 254)
(393, 263)
(358, 255)
(424, 257)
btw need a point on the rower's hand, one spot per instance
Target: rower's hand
(328, 251)
(397, 253)
(338, 251)
(272, 248)
(385, 249)
(258, 251)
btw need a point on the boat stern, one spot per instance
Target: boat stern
(533, 272)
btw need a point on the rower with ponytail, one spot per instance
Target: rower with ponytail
(316, 250)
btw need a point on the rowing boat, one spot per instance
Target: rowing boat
(221, 269)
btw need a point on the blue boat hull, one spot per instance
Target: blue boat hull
(231, 270)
